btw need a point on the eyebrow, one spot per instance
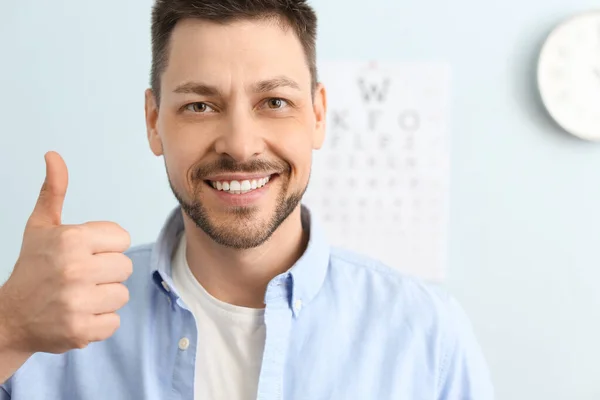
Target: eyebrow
(263, 86)
(271, 84)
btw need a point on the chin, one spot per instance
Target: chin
(244, 236)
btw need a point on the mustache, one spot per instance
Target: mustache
(228, 165)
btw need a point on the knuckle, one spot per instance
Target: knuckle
(67, 304)
(72, 273)
(126, 238)
(116, 323)
(127, 267)
(70, 238)
(122, 233)
(124, 295)
(114, 226)
(74, 334)
(72, 303)
(111, 323)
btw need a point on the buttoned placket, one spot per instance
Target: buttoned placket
(184, 346)
(278, 322)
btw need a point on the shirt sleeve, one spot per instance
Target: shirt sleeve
(464, 374)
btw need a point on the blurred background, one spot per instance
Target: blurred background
(524, 212)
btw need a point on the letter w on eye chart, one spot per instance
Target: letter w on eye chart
(380, 184)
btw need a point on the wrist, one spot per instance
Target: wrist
(11, 357)
(11, 338)
(7, 336)
(5, 340)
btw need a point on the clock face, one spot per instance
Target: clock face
(569, 75)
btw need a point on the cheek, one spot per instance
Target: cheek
(299, 155)
(179, 172)
(187, 132)
(183, 148)
(294, 145)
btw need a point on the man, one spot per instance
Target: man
(240, 297)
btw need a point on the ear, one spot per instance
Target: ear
(151, 108)
(320, 110)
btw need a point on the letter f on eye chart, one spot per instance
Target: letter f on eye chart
(380, 183)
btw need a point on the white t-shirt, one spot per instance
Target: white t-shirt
(231, 339)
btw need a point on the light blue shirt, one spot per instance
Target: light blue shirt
(339, 326)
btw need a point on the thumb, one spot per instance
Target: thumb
(48, 209)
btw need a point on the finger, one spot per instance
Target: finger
(103, 326)
(108, 268)
(49, 205)
(106, 237)
(107, 298)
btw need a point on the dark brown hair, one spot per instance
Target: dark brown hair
(294, 14)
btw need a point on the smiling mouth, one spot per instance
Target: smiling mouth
(240, 186)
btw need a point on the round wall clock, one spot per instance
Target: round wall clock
(569, 75)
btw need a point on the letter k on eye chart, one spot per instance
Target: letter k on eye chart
(380, 182)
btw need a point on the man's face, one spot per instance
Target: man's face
(236, 126)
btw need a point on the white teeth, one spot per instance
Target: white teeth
(240, 187)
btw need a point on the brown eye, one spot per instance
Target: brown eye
(197, 107)
(275, 103)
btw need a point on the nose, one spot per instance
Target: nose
(241, 138)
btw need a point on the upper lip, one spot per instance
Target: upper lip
(239, 176)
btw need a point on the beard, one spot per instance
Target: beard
(241, 231)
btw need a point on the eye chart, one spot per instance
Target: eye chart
(380, 183)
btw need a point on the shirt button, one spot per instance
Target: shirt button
(184, 343)
(298, 305)
(166, 286)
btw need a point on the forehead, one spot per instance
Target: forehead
(237, 52)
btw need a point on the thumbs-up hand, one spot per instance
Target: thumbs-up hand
(66, 286)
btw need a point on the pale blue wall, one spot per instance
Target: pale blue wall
(525, 231)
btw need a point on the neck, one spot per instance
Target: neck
(240, 277)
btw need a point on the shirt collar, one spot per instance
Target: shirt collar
(305, 277)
